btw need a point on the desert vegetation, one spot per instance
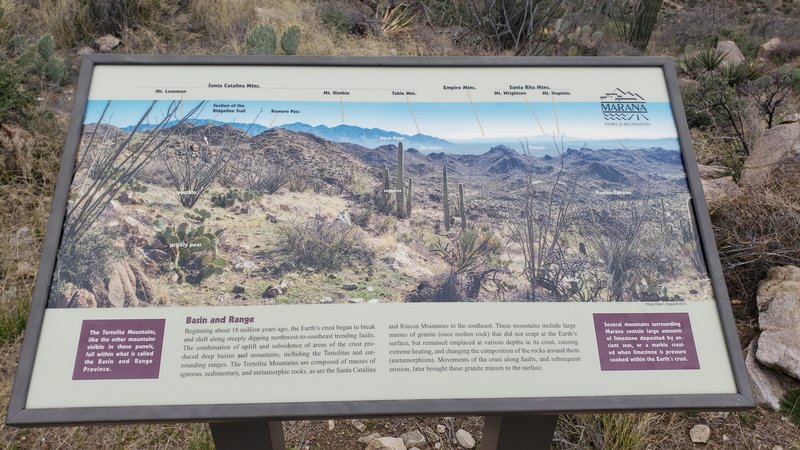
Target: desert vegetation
(729, 106)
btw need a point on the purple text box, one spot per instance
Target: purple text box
(645, 341)
(119, 349)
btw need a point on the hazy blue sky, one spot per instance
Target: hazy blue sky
(452, 121)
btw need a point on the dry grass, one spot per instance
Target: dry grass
(754, 231)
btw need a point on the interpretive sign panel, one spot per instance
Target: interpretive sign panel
(288, 237)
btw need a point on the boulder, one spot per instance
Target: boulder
(778, 301)
(766, 49)
(730, 53)
(719, 188)
(128, 286)
(71, 296)
(414, 439)
(768, 386)
(389, 443)
(774, 156)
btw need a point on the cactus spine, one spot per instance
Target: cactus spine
(408, 197)
(445, 200)
(461, 206)
(400, 183)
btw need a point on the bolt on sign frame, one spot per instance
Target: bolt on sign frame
(605, 140)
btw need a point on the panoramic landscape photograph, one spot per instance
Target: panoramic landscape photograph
(184, 204)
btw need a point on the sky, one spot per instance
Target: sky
(462, 121)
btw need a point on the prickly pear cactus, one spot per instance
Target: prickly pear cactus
(193, 251)
(261, 40)
(290, 40)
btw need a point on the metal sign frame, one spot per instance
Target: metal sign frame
(19, 415)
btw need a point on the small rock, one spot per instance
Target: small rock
(710, 172)
(374, 300)
(271, 218)
(85, 51)
(700, 434)
(350, 286)
(243, 265)
(331, 425)
(430, 435)
(791, 118)
(370, 288)
(22, 233)
(284, 286)
(389, 443)
(725, 438)
(326, 300)
(238, 289)
(414, 448)
(414, 438)
(358, 425)
(441, 429)
(355, 300)
(766, 49)
(369, 438)
(437, 445)
(777, 447)
(272, 292)
(465, 439)
(129, 198)
(107, 43)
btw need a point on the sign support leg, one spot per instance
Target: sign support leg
(248, 435)
(518, 432)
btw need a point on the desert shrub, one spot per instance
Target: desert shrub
(228, 20)
(523, 27)
(324, 245)
(474, 257)
(714, 101)
(16, 100)
(756, 230)
(362, 216)
(297, 183)
(85, 263)
(264, 178)
(609, 431)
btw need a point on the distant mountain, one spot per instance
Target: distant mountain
(370, 137)
(251, 129)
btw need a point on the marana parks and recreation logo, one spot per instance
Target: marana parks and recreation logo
(623, 106)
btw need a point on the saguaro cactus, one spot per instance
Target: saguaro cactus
(400, 182)
(386, 187)
(445, 200)
(408, 197)
(461, 211)
(644, 22)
